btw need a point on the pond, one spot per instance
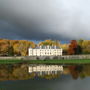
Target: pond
(44, 77)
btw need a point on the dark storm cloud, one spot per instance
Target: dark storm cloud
(44, 19)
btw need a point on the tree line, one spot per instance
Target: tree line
(15, 47)
(20, 47)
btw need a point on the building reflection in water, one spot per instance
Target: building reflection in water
(45, 69)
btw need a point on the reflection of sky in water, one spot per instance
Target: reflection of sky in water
(62, 83)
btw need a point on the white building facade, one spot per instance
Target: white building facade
(45, 51)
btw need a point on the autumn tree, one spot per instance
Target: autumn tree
(65, 48)
(15, 47)
(86, 47)
(74, 48)
(4, 47)
(21, 48)
(50, 42)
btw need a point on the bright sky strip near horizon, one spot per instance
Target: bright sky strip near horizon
(45, 19)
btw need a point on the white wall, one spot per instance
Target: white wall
(45, 52)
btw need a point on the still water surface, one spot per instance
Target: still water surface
(44, 77)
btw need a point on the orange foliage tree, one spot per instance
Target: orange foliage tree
(4, 47)
(15, 47)
(72, 47)
(50, 42)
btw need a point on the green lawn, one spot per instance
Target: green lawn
(83, 61)
(87, 61)
(10, 61)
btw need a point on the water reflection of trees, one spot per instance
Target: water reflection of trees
(85, 71)
(14, 72)
(75, 71)
(79, 71)
(20, 72)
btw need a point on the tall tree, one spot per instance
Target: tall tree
(72, 47)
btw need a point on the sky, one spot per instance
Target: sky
(45, 19)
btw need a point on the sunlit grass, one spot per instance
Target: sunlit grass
(83, 61)
(10, 61)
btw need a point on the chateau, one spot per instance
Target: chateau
(45, 51)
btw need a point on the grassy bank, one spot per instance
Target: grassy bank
(83, 61)
(61, 61)
(11, 61)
